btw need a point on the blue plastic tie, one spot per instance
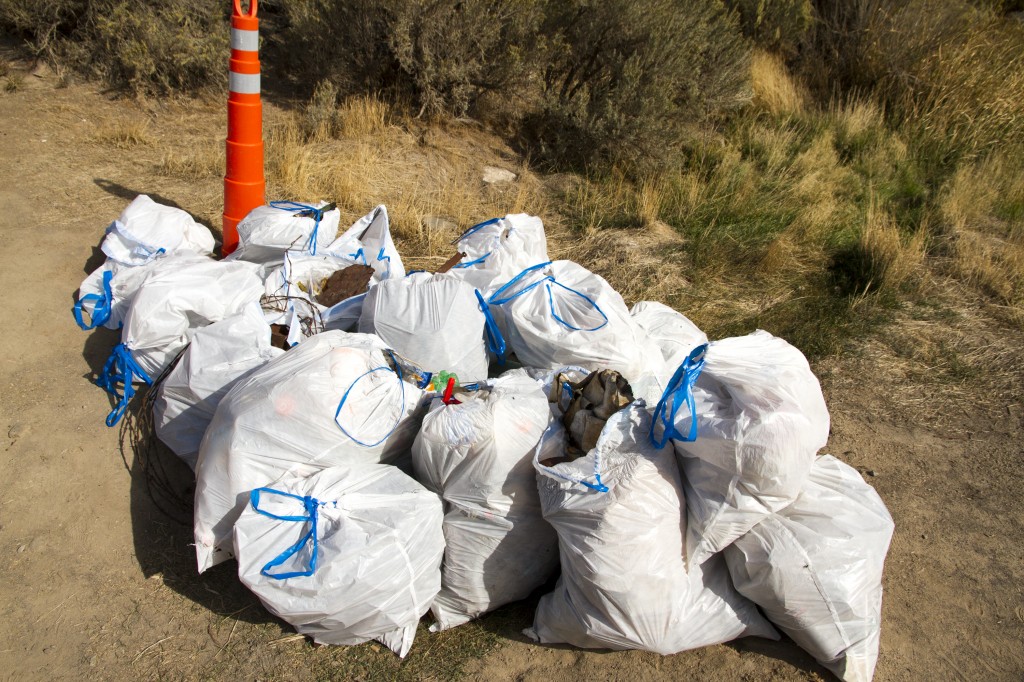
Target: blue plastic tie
(495, 341)
(311, 506)
(296, 207)
(397, 372)
(121, 368)
(475, 228)
(498, 299)
(382, 257)
(101, 308)
(678, 392)
(471, 263)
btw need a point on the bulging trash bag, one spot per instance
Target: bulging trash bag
(815, 568)
(147, 230)
(478, 455)
(268, 231)
(369, 242)
(106, 294)
(179, 295)
(761, 418)
(560, 313)
(498, 249)
(620, 516)
(345, 555)
(436, 322)
(333, 400)
(217, 357)
(674, 334)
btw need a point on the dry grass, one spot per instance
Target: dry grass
(895, 261)
(417, 172)
(774, 89)
(197, 162)
(124, 133)
(14, 82)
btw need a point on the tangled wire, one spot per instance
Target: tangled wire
(155, 461)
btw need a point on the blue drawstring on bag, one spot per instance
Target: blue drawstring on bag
(121, 368)
(398, 373)
(317, 214)
(101, 308)
(499, 297)
(311, 505)
(495, 341)
(678, 392)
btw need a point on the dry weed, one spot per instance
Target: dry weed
(895, 261)
(125, 133)
(197, 162)
(774, 89)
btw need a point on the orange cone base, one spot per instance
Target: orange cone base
(239, 199)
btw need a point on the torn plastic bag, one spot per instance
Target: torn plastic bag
(815, 568)
(333, 400)
(345, 555)
(217, 357)
(560, 313)
(179, 295)
(369, 242)
(761, 418)
(478, 455)
(436, 322)
(268, 231)
(674, 334)
(147, 230)
(620, 517)
(497, 250)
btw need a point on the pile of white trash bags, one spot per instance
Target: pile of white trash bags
(406, 448)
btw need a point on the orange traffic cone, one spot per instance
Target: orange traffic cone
(244, 184)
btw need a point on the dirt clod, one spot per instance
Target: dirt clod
(345, 284)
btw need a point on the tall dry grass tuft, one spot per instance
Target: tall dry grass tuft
(894, 261)
(125, 133)
(774, 88)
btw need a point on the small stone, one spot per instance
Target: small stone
(49, 649)
(22, 548)
(16, 431)
(871, 472)
(439, 224)
(497, 176)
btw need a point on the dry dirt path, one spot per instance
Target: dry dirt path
(95, 583)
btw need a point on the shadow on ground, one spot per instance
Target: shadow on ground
(128, 194)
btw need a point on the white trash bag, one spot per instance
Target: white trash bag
(333, 400)
(179, 295)
(147, 230)
(106, 294)
(268, 231)
(217, 358)
(345, 555)
(761, 418)
(478, 455)
(369, 242)
(560, 313)
(436, 322)
(815, 568)
(498, 249)
(674, 334)
(620, 516)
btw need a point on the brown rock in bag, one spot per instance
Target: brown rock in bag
(344, 284)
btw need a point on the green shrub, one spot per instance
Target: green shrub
(173, 46)
(440, 54)
(620, 79)
(775, 25)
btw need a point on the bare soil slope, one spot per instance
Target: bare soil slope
(97, 583)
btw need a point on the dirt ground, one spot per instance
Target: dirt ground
(97, 583)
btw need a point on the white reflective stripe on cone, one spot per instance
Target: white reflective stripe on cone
(244, 83)
(245, 40)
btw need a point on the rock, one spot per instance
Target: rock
(438, 223)
(497, 176)
(16, 431)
